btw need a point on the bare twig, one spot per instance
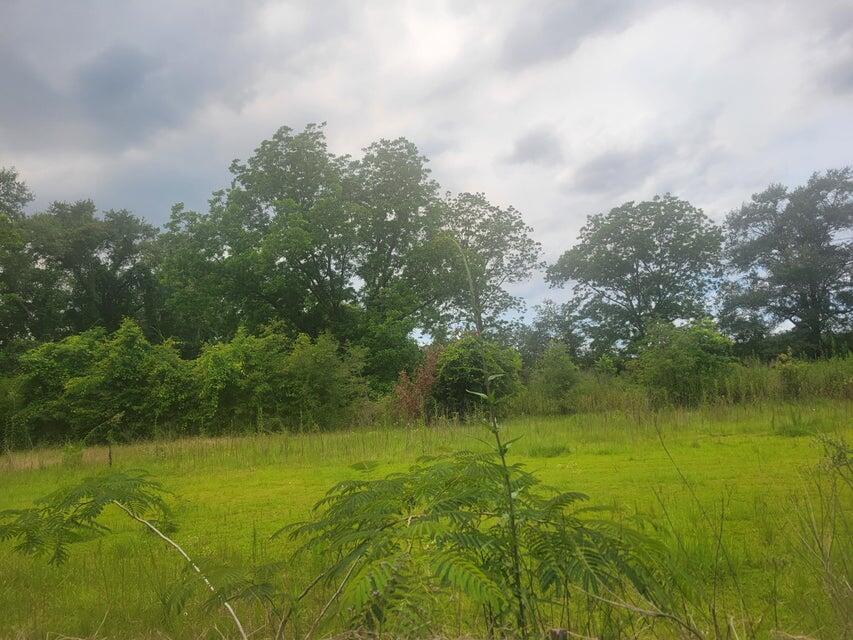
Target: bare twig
(186, 557)
(649, 613)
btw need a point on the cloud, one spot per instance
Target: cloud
(621, 169)
(139, 104)
(539, 146)
(551, 30)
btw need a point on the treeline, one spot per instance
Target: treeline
(295, 299)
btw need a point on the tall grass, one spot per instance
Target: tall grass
(232, 492)
(784, 380)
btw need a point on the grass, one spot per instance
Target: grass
(742, 464)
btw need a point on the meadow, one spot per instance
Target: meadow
(720, 481)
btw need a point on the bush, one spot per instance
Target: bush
(239, 382)
(102, 387)
(322, 385)
(96, 387)
(413, 395)
(598, 392)
(554, 374)
(683, 365)
(750, 381)
(463, 367)
(270, 382)
(832, 378)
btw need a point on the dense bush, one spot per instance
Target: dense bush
(463, 367)
(98, 387)
(554, 374)
(831, 378)
(239, 381)
(321, 384)
(683, 365)
(94, 386)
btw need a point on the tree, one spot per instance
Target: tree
(97, 267)
(391, 184)
(362, 248)
(553, 323)
(640, 263)
(16, 270)
(318, 241)
(792, 255)
(14, 194)
(498, 248)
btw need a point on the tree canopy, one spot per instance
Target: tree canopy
(640, 263)
(791, 254)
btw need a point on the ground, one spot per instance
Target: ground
(689, 471)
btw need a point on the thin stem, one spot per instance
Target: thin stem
(286, 617)
(331, 600)
(186, 557)
(521, 613)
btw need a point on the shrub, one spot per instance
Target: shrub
(101, 387)
(555, 374)
(269, 381)
(463, 367)
(750, 381)
(600, 392)
(407, 546)
(322, 384)
(832, 378)
(240, 382)
(11, 401)
(413, 395)
(683, 365)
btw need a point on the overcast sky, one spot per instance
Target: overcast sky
(560, 108)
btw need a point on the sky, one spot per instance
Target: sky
(559, 108)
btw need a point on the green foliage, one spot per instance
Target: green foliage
(407, 543)
(682, 365)
(497, 249)
(555, 374)
(119, 387)
(321, 385)
(102, 387)
(639, 264)
(239, 381)
(70, 515)
(463, 366)
(792, 254)
(831, 378)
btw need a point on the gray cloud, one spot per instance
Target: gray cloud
(539, 146)
(123, 90)
(620, 170)
(545, 31)
(143, 103)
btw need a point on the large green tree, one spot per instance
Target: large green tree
(16, 269)
(68, 268)
(791, 251)
(640, 263)
(364, 248)
(493, 246)
(99, 265)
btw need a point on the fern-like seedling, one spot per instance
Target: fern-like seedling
(71, 515)
(409, 542)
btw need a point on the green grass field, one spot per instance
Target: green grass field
(743, 463)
